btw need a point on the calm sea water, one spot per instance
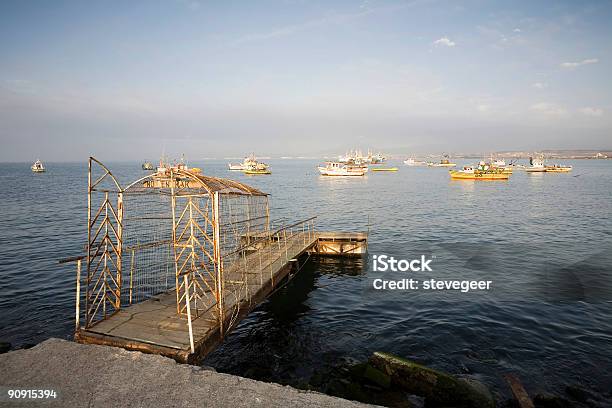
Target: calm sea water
(545, 240)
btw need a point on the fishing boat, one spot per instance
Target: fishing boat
(164, 169)
(385, 169)
(148, 166)
(248, 161)
(357, 157)
(38, 167)
(482, 172)
(444, 162)
(257, 168)
(377, 158)
(537, 165)
(341, 169)
(501, 165)
(558, 168)
(411, 162)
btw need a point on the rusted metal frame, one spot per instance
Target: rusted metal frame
(99, 180)
(193, 254)
(204, 251)
(218, 263)
(174, 246)
(115, 250)
(183, 212)
(183, 232)
(107, 170)
(98, 230)
(96, 286)
(204, 234)
(276, 233)
(91, 224)
(96, 303)
(206, 218)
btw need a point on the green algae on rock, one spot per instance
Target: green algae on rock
(438, 388)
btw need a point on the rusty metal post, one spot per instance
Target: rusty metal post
(174, 244)
(78, 297)
(106, 252)
(119, 248)
(186, 283)
(88, 281)
(132, 274)
(218, 262)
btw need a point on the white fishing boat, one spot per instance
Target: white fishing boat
(38, 167)
(341, 169)
(412, 162)
(537, 165)
(247, 163)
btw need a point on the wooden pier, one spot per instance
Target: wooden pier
(171, 268)
(153, 326)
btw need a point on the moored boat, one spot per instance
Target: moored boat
(558, 168)
(537, 165)
(257, 168)
(444, 162)
(38, 167)
(411, 162)
(482, 172)
(148, 166)
(341, 169)
(248, 161)
(385, 169)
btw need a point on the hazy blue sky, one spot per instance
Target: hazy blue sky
(128, 79)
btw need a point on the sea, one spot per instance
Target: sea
(543, 240)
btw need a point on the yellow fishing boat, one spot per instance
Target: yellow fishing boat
(257, 168)
(257, 171)
(558, 169)
(384, 168)
(469, 173)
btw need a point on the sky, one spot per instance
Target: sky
(132, 80)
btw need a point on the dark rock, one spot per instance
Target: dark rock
(377, 376)
(576, 392)
(438, 388)
(4, 347)
(550, 401)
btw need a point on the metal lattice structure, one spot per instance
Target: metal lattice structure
(177, 231)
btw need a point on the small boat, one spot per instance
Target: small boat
(257, 168)
(557, 168)
(537, 165)
(255, 171)
(341, 169)
(248, 161)
(501, 165)
(480, 173)
(412, 162)
(148, 166)
(385, 169)
(444, 162)
(38, 167)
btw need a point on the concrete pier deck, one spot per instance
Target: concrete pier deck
(98, 376)
(153, 326)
